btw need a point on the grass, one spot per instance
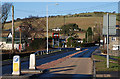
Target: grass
(101, 64)
(116, 57)
(83, 22)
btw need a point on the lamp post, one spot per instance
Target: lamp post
(47, 23)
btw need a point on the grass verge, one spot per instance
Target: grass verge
(100, 63)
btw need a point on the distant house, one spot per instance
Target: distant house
(79, 40)
(6, 44)
(56, 29)
(114, 40)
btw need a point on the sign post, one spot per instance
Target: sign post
(109, 28)
(16, 65)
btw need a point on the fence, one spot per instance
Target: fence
(52, 50)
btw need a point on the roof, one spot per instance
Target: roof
(5, 33)
(16, 41)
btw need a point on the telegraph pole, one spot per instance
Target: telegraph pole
(92, 33)
(87, 37)
(12, 29)
(20, 39)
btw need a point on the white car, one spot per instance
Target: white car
(78, 48)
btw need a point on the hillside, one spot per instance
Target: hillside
(84, 20)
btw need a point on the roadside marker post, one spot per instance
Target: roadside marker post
(16, 65)
(32, 64)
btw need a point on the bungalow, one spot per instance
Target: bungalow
(6, 44)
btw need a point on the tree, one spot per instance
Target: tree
(33, 24)
(89, 34)
(69, 29)
(5, 12)
(71, 42)
(89, 30)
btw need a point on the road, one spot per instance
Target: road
(59, 57)
(7, 69)
(79, 65)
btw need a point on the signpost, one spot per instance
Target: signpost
(16, 65)
(109, 28)
(109, 22)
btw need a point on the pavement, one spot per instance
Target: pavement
(74, 66)
(71, 68)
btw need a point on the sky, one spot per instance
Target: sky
(59, 0)
(25, 9)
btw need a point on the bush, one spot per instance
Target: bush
(60, 44)
(71, 42)
(39, 43)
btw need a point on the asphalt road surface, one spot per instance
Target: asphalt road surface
(77, 66)
(86, 54)
(7, 69)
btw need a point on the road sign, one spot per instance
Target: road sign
(112, 24)
(16, 65)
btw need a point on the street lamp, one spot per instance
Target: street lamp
(47, 23)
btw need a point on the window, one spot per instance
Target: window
(113, 38)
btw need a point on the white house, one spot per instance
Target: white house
(57, 29)
(6, 44)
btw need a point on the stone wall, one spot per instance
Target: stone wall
(114, 52)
